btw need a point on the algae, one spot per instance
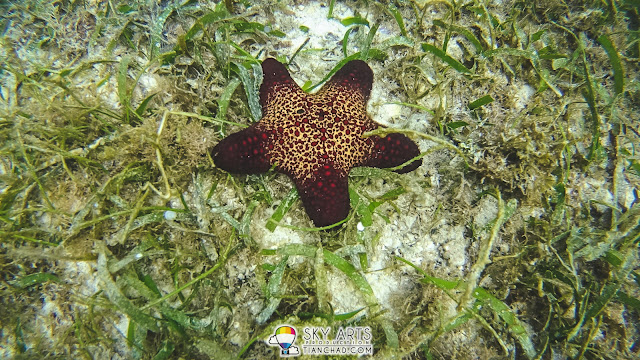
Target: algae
(517, 237)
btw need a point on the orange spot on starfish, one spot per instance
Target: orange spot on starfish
(293, 134)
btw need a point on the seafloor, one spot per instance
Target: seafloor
(517, 238)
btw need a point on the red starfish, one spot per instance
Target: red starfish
(316, 139)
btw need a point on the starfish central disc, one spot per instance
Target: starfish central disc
(316, 139)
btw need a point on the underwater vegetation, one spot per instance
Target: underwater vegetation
(517, 236)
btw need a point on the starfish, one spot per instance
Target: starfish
(315, 139)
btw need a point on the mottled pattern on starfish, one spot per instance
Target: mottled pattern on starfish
(316, 139)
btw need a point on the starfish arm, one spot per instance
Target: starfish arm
(393, 150)
(325, 196)
(355, 75)
(277, 84)
(243, 152)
